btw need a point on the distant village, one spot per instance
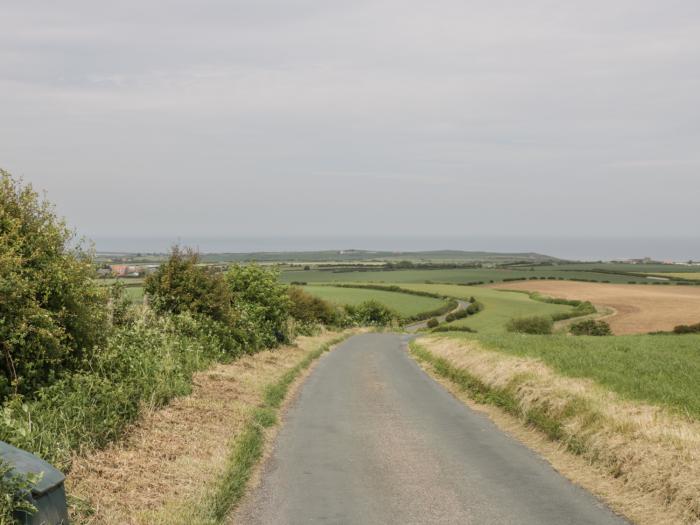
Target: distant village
(126, 270)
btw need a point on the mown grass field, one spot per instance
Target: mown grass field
(405, 305)
(661, 370)
(456, 275)
(499, 307)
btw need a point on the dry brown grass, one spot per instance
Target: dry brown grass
(644, 461)
(638, 308)
(172, 454)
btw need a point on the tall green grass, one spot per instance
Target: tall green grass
(661, 370)
(142, 365)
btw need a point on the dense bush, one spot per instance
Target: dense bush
(371, 313)
(448, 328)
(261, 303)
(145, 364)
(583, 308)
(459, 314)
(590, 327)
(447, 307)
(474, 308)
(432, 323)
(182, 284)
(309, 311)
(52, 313)
(687, 329)
(530, 325)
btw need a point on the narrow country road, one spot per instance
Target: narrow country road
(373, 439)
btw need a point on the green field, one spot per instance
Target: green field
(457, 275)
(663, 370)
(406, 305)
(134, 293)
(693, 276)
(499, 307)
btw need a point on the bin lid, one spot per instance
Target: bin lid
(25, 463)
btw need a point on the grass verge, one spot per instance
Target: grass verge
(648, 453)
(247, 450)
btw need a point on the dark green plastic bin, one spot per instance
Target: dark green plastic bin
(48, 496)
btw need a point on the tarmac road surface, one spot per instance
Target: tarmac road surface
(372, 439)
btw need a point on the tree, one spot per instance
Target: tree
(260, 299)
(52, 313)
(182, 284)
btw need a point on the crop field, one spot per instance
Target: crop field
(405, 305)
(634, 268)
(456, 275)
(693, 276)
(661, 370)
(638, 309)
(499, 307)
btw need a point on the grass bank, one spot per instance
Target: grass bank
(189, 461)
(649, 452)
(247, 450)
(663, 371)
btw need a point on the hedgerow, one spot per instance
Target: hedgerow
(530, 325)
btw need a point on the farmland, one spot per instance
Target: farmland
(693, 276)
(451, 275)
(499, 307)
(638, 309)
(406, 305)
(637, 367)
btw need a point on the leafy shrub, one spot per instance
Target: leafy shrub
(309, 310)
(530, 325)
(581, 309)
(371, 313)
(182, 284)
(13, 490)
(145, 364)
(459, 314)
(433, 323)
(590, 327)
(448, 328)
(261, 301)
(474, 308)
(447, 307)
(687, 329)
(52, 312)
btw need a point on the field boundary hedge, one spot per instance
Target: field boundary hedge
(450, 305)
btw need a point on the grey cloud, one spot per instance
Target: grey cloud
(352, 118)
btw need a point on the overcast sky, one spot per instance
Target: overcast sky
(356, 118)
